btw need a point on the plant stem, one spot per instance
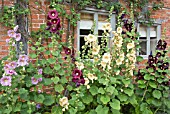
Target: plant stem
(145, 91)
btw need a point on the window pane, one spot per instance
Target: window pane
(100, 32)
(84, 32)
(143, 49)
(143, 31)
(153, 43)
(87, 16)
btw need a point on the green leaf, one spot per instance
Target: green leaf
(110, 89)
(167, 103)
(103, 81)
(156, 102)
(51, 60)
(57, 67)
(55, 53)
(105, 99)
(33, 55)
(17, 107)
(56, 110)
(49, 100)
(122, 97)
(157, 94)
(126, 81)
(115, 104)
(149, 77)
(39, 98)
(129, 91)
(143, 107)
(56, 80)
(87, 98)
(139, 58)
(48, 81)
(101, 110)
(59, 88)
(153, 84)
(101, 90)
(63, 80)
(48, 70)
(93, 90)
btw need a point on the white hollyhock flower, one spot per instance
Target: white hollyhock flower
(64, 102)
(106, 57)
(91, 38)
(130, 45)
(91, 77)
(95, 50)
(119, 30)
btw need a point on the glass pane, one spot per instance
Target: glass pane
(100, 32)
(84, 31)
(87, 16)
(143, 49)
(153, 43)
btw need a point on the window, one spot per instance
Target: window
(87, 19)
(148, 39)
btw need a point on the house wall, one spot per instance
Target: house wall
(39, 18)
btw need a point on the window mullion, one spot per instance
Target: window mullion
(78, 35)
(148, 41)
(96, 20)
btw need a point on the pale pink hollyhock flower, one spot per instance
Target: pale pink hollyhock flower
(34, 80)
(23, 60)
(10, 72)
(6, 81)
(40, 71)
(39, 79)
(11, 33)
(7, 40)
(18, 37)
(12, 65)
(16, 28)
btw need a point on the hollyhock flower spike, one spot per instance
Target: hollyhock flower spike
(52, 14)
(6, 81)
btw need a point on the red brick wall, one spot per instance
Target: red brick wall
(38, 18)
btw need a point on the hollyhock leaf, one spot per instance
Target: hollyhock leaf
(102, 110)
(92, 112)
(18, 107)
(61, 72)
(115, 111)
(87, 98)
(126, 81)
(39, 98)
(59, 88)
(110, 89)
(55, 53)
(48, 70)
(49, 100)
(153, 84)
(47, 81)
(156, 102)
(148, 77)
(139, 58)
(101, 90)
(56, 80)
(128, 91)
(56, 110)
(63, 80)
(72, 111)
(115, 104)
(167, 103)
(23, 94)
(103, 81)
(69, 87)
(51, 60)
(33, 55)
(122, 97)
(93, 90)
(57, 67)
(105, 99)
(157, 94)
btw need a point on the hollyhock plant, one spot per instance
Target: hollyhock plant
(6, 80)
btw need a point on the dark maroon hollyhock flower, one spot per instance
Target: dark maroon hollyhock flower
(65, 58)
(75, 80)
(123, 16)
(159, 47)
(81, 81)
(73, 52)
(161, 67)
(49, 23)
(58, 24)
(155, 60)
(123, 32)
(67, 50)
(166, 83)
(48, 18)
(160, 42)
(73, 60)
(48, 28)
(159, 54)
(54, 21)
(53, 14)
(76, 73)
(53, 29)
(165, 65)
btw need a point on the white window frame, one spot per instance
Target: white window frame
(96, 13)
(158, 36)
